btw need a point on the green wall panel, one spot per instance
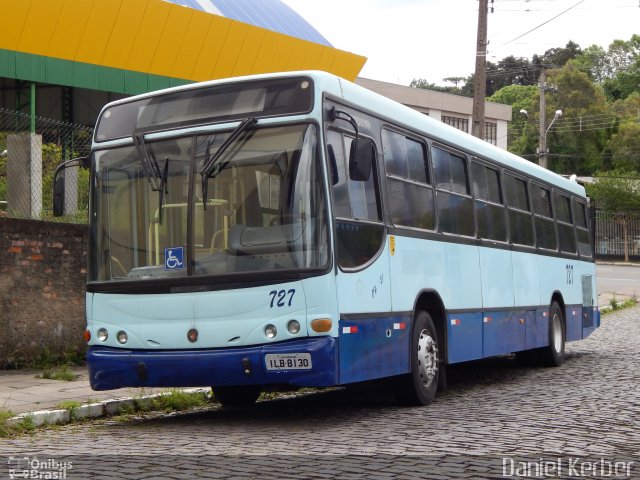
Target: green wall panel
(37, 68)
(59, 72)
(30, 67)
(7, 64)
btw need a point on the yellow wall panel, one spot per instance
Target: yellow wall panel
(231, 50)
(171, 40)
(326, 59)
(149, 35)
(193, 40)
(124, 32)
(211, 49)
(97, 31)
(68, 33)
(251, 47)
(267, 53)
(347, 65)
(39, 26)
(17, 11)
(283, 53)
(313, 57)
(298, 53)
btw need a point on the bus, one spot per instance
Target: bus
(296, 230)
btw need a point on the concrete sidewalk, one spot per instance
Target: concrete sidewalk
(25, 393)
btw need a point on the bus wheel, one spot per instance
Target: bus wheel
(420, 385)
(236, 396)
(553, 354)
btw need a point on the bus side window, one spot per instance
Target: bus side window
(454, 204)
(490, 211)
(520, 220)
(356, 205)
(408, 181)
(582, 228)
(566, 234)
(545, 228)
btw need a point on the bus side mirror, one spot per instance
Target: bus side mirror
(58, 182)
(361, 156)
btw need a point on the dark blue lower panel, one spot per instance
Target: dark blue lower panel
(464, 336)
(374, 347)
(471, 335)
(111, 368)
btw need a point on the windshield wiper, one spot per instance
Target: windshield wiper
(211, 166)
(163, 188)
(157, 177)
(149, 166)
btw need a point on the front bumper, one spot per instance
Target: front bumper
(112, 368)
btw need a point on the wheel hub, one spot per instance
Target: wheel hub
(427, 358)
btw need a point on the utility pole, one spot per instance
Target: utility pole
(542, 137)
(480, 84)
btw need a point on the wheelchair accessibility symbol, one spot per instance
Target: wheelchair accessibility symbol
(174, 258)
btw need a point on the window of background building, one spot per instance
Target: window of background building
(491, 133)
(457, 122)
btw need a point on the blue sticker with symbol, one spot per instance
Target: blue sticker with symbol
(174, 258)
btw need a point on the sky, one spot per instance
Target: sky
(434, 39)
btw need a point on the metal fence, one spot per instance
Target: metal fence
(609, 235)
(30, 151)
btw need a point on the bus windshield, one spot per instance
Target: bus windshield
(263, 207)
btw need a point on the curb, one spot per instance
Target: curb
(104, 408)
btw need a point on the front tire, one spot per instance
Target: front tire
(419, 386)
(236, 396)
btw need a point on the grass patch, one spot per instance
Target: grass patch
(5, 429)
(71, 406)
(62, 373)
(177, 400)
(615, 305)
(8, 429)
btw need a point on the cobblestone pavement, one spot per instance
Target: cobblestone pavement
(494, 415)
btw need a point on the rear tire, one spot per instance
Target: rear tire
(553, 354)
(236, 396)
(419, 386)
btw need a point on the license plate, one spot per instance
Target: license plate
(288, 361)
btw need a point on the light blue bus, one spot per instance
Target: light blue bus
(297, 230)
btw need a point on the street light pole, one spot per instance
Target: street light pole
(543, 151)
(542, 139)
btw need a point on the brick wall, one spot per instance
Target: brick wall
(42, 286)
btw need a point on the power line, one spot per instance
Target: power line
(542, 24)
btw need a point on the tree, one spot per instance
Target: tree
(522, 130)
(579, 138)
(558, 57)
(454, 80)
(426, 85)
(617, 194)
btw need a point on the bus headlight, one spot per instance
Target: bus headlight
(103, 335)
(294, 327)
(270, 331)
(122, 337)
